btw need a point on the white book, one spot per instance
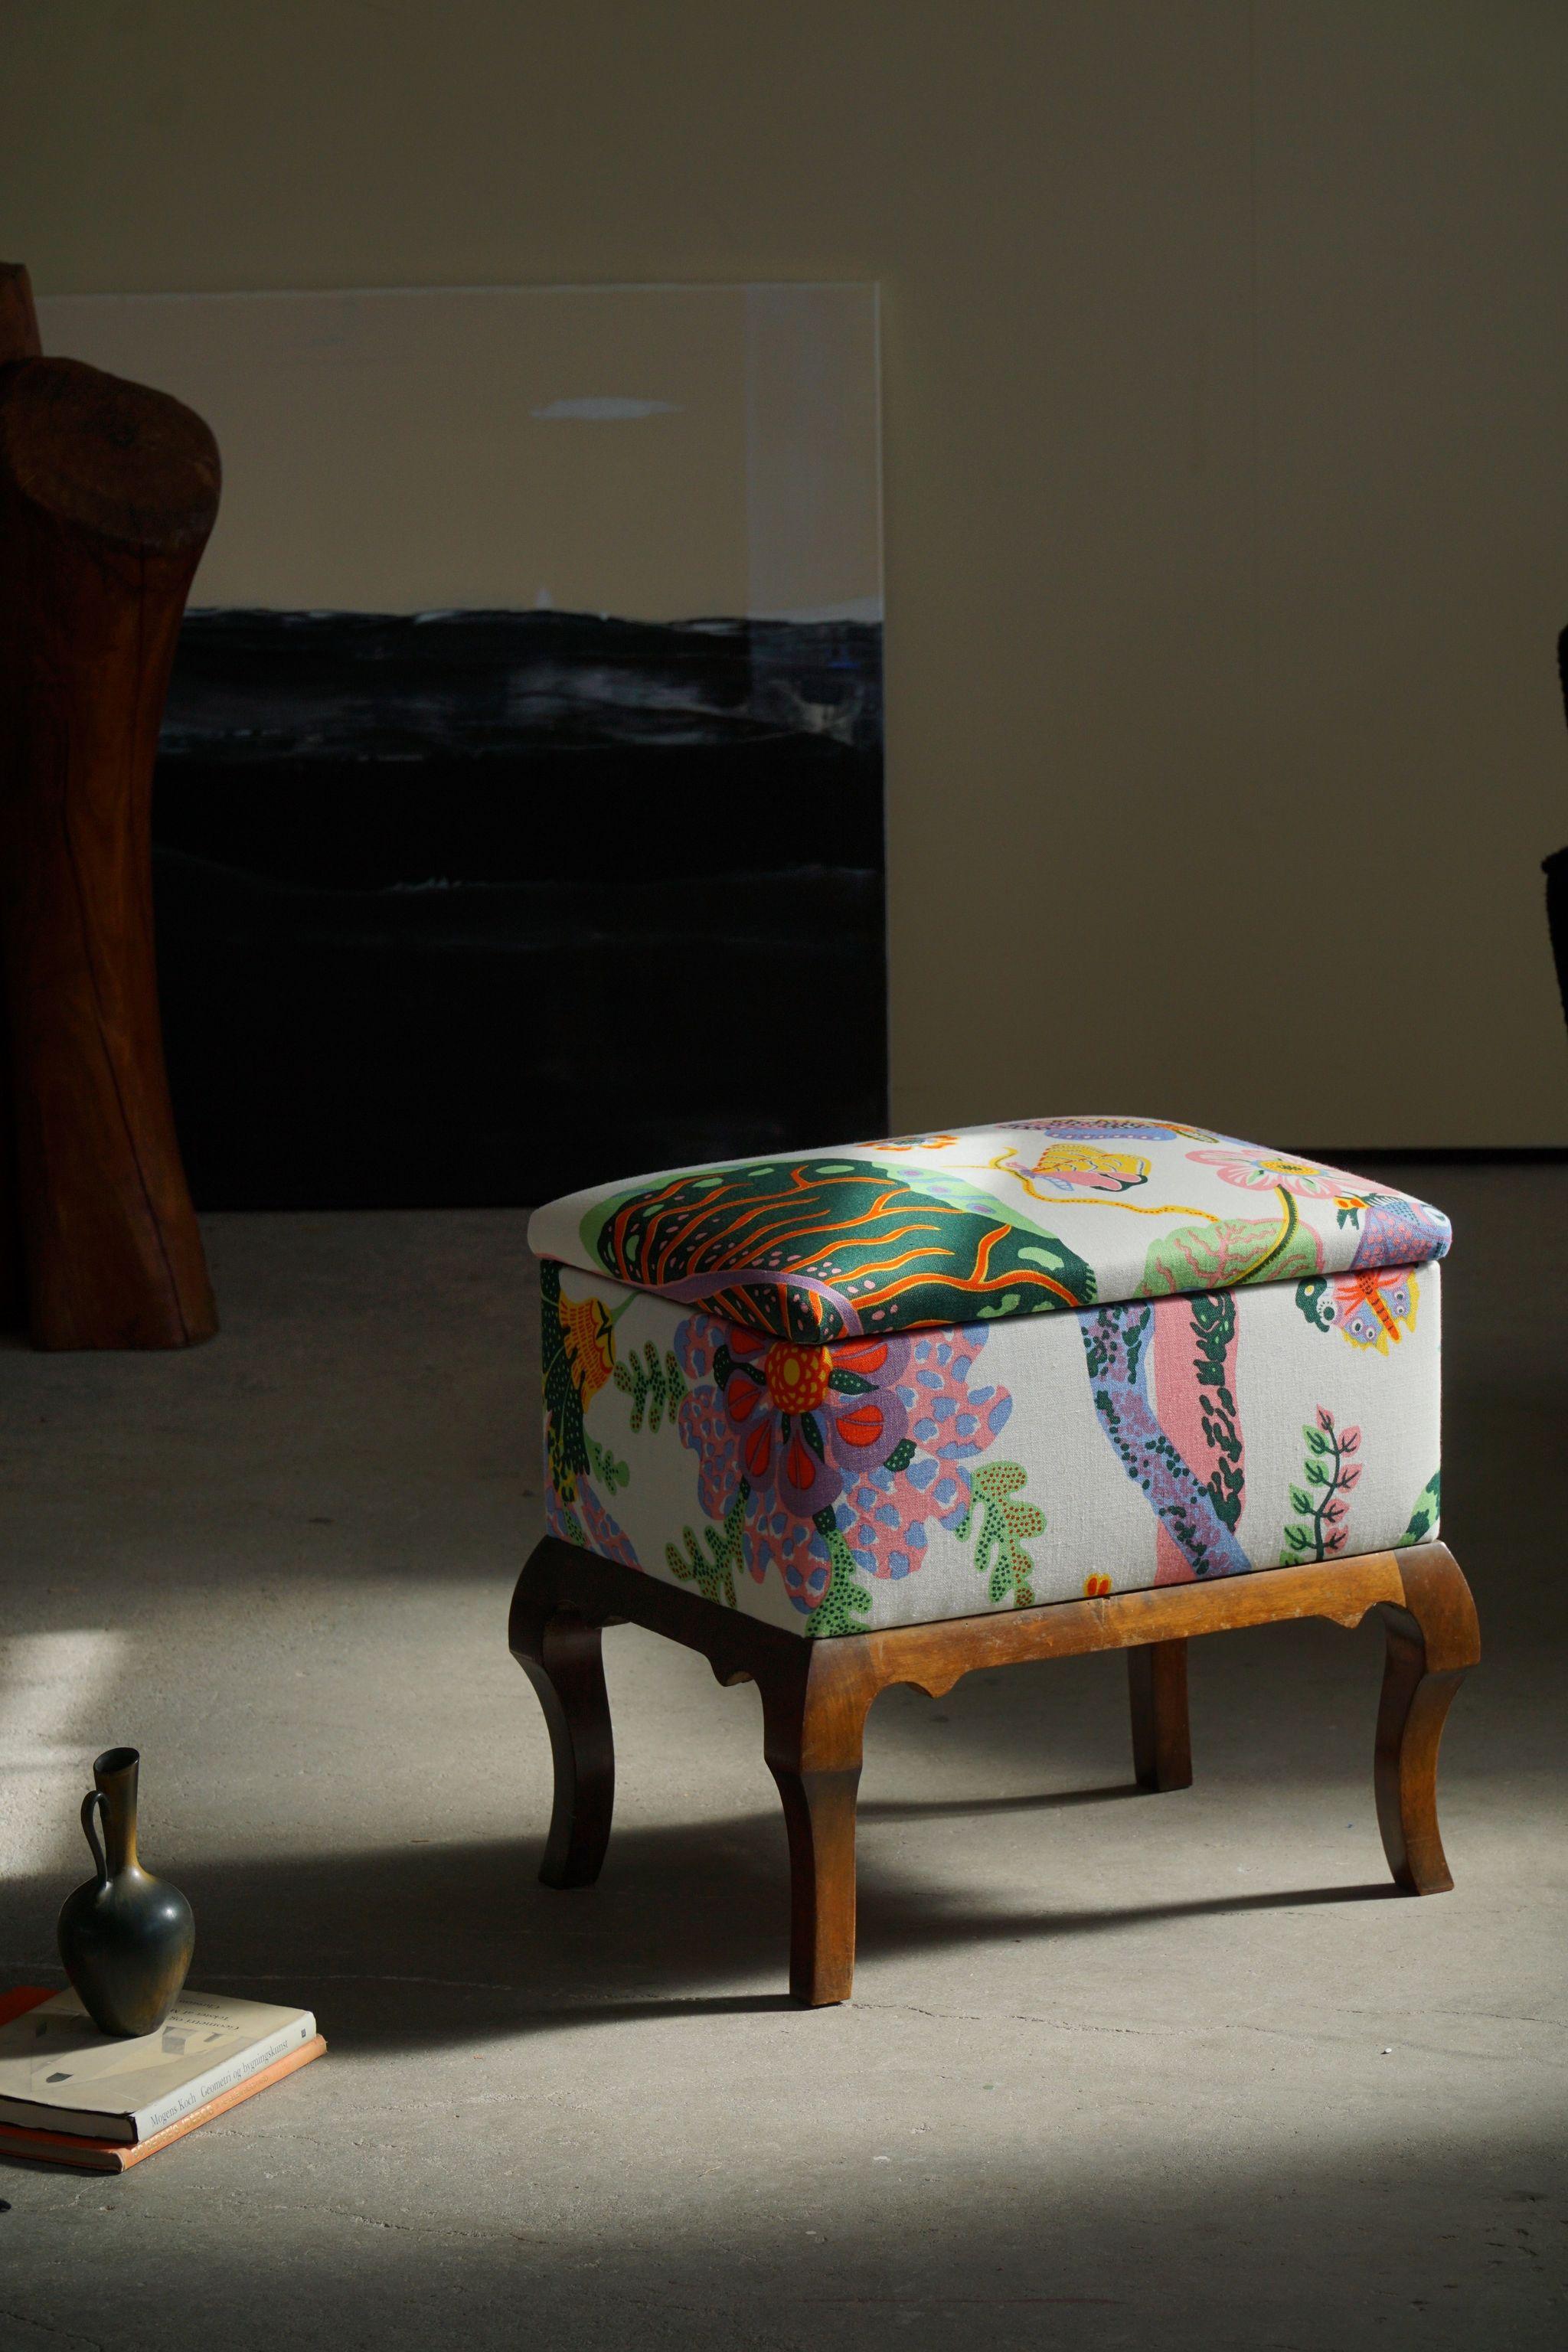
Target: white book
(58, 2073)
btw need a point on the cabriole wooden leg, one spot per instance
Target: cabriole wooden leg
(1432, 1641)
(559, 1651)
(814, 1716)
(1162, 1736)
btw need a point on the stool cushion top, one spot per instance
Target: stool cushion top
(1028, 1217)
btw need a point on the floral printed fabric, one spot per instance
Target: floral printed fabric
(894, 1478)
(989, 1225)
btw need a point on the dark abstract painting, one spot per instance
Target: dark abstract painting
(476, 906)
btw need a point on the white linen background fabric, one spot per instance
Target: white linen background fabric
(652, 1484)
(1117, 1196)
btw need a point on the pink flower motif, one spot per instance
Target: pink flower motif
(883, 1514)
(947, 1416)
(882, 1517)
(605, 1535)
(873, 1430)
(706, 1429)
(1260, 1173)
(697, 1342)
(800, 1552)
(808, 1418)
(704, 1426)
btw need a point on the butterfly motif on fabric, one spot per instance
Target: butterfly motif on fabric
(1074, 1171)
(1371, 1308)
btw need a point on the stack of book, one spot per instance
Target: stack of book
(99, 2103)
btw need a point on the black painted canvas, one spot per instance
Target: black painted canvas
(470, 908)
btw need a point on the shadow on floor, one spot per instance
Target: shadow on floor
(1448, 2245)
(901, 1809)
(425, 1946)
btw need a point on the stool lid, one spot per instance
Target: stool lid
(1028, 1217)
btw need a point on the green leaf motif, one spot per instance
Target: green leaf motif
(713, 1572)
(1223, 1256)
(1053, 1257)
(846, 1599)
(1321, 1530)
(653, 1388)
(610, 1473)
(1424, 1518)
(1005, 1520)
(797, 1248)
(1213, 1318)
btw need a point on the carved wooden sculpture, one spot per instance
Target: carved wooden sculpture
(108, 493)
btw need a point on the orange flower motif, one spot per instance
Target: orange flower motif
(796, 1377)
(588, 1337)
(1095, 1588)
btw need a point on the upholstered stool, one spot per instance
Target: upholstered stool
(889, 1413)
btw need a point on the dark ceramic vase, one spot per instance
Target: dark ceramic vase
(126, 1939)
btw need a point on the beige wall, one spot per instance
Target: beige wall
(1226, 371)
(425, 448)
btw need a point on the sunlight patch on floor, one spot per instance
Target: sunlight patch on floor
(55, 1690)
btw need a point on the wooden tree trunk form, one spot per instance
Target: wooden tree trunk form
(108, 493)
(18, 341)
(19, 320)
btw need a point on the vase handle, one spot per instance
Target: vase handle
(94, 1801)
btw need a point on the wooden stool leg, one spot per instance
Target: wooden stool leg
(814, 1716)
(559, 1649)
(1432, 1641)
(1162, 1735)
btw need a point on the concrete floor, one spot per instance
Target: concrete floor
(1177, 2070)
